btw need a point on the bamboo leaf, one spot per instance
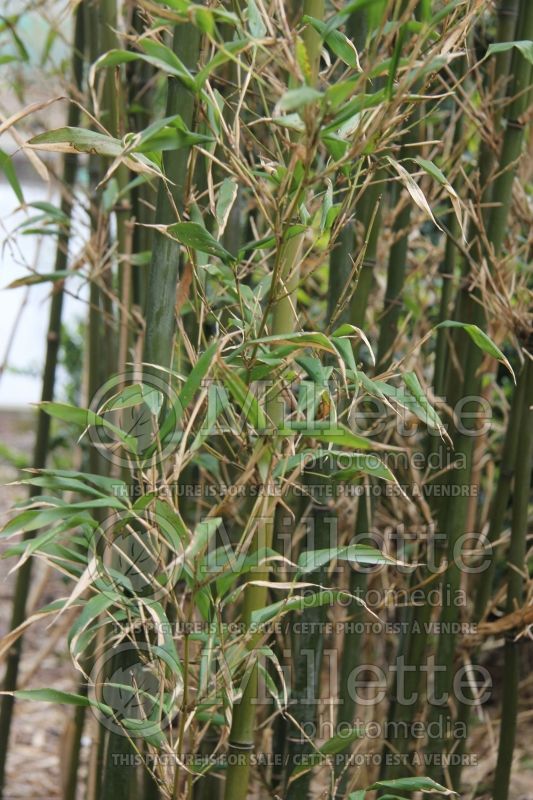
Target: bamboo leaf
(255, 22)
(338, 434)
(426, 785)
(338, 42)
(296, 603)
(295, 99)
(51, 696)
(429, 415)
(79, 140)
(195, 236)
(225, 200)
(203, 533)
(311, 560)
(441, 178)
(32, 280)
(337, 744)
(6, 165)
(84, 417)
(481, 339)
(413, 188)
(524, 46)
(363, 464)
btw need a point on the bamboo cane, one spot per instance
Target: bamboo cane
(515, 593)
(42, 438)
(454, 516)
(283, 300)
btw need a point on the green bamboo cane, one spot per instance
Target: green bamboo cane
(42, 438)
(397, 267)
(447, 272)
(283, 300)
(497, 517)
(160, 310)
(507, 25)
(454, 516)
(308, 647)
(164, 266)
(515, 593)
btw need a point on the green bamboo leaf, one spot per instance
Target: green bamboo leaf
(296, 603)
(107, 485)
(135, 395)
(429, 415)
(33, 519)
(363, 464)
(188, 391)
(113, 58)
(203, 533)
(225, 200)
(295, 99)
(166, 650)
(337, 744)
(246, 400)
(84, 417)
(338, 434)
(77, 140)
(51, 696)
(169, 133)
(412, 785)
(524, 46)
(338, 42)
(205, 20)
(195, 236)
(255, 22)
(166, 58)
(227, 52)
(440, 177)
(32, 280)
(6, 165)
(80, 633)
(481, 339)
(311, 560)
(80, 140)
(298, 339)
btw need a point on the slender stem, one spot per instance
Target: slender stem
(454, 515)
(308, 647)
(283, 299)
(42, 439)
(515, 593)
(164, 266)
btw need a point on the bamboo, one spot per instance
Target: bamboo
(498, 512)
(452, 519)
(454, 515)
(160, 313)
(164, 266)
(42, 438)
(515, 592)
(308, 647)
(284, 319)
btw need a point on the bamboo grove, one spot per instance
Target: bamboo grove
(291, 525)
